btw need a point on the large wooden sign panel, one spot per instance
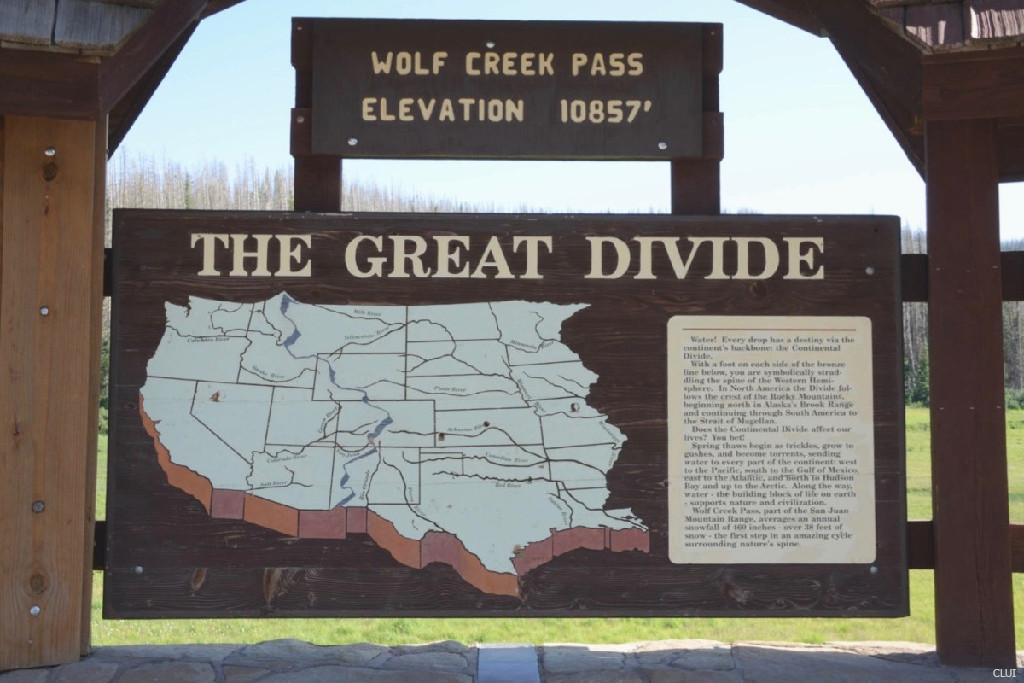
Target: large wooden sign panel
(545, 415)
(506, 89)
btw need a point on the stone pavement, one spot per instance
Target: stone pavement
(662, 661)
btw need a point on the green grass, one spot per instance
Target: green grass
(919, 473)
(919, 627)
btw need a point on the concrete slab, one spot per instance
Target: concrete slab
(507, 663)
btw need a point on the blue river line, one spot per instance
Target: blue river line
(286, 302)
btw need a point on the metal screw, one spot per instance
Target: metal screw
(489, 44)
(38, 506)
(870, 270)
(50, 151)
(300, 119)
(662, 145)
(138, 569)
(352, 142)
(873, 570)
(35, 611)
(44, 311)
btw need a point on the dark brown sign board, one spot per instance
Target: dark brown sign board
(506, 89)
(467, 415)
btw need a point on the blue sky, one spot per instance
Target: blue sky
(801, 137)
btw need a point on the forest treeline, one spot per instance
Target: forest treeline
(915, 336)
(143, 182)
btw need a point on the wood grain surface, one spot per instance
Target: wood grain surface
(670, 77)
(168, 558)
(52, 234)
(973, 580)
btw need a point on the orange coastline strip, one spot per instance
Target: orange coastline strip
(180, 477)
(271, 515)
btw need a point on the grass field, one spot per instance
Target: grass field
(919, 627)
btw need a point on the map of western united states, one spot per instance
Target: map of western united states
(454, 433)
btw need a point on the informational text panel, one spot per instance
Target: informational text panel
(771, 446)
(462, 415)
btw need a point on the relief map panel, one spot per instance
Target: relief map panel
(382, 415)
(459, 433)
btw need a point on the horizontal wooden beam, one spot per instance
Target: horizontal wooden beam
(99, 546)
(34, 83)
(1013, 275)
(73, 86)
(921, 545)
(914, 276)
(1010, 150)
(984, 84)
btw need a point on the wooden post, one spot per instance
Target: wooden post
(317, 179)
(51, 232)
(973, 589)
(696, 187)
(317, 183)
(696, 183)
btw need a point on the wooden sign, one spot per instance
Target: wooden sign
(506, 89)
(534, 415)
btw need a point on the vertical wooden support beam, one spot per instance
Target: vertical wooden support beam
(317, 179)
(696, 188)
(317, 183)
(973, 590)
(50, 298)
(696, 183)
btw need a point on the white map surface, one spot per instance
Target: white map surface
(467, 419)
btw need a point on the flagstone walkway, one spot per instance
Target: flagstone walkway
(662, 661)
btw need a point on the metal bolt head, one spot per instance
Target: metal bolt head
(38, 506)
(873, 570)
(44, 311)
(138, 569)
(35, 611)
(663, 145)
(50, 151)
(352, 142)
(870, 270)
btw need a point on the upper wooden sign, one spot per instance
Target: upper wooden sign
(505, 89)
(523, 415)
